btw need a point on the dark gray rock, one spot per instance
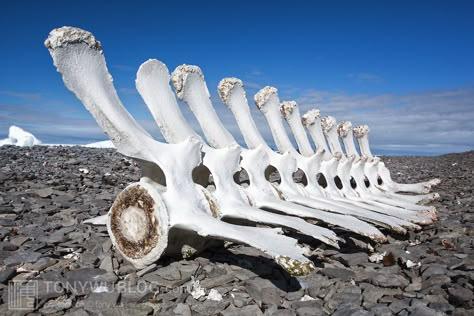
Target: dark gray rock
(135, 310)
(210, 308)
(103, 301)
(350, 310)
(7, 274)
(56, 305)
(249, 310)
(459, 296)
(340, 273)
(271, 296)
(22, 256)
(381, 310)
(352, 259)
(83, 281)
(399, 305)
(424, 311)
(389, 280)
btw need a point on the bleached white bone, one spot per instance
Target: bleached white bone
(345, 132)
(330, 130)
(191, 88)
(376, 167)
(153, 85)
(268, 103)
(312, 121)
(233, 95)
(148, 204)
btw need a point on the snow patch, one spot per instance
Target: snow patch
(102, 144)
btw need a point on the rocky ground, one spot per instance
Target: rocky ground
(45, 194)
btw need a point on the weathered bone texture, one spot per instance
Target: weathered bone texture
(149, 205)
(375, 196)
(261, 192)
(376, 168)
(153, 84)
(345, 132)
(233, 95)
(174, 210)
(311, 120)
(267, 99)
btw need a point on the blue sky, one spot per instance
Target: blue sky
(406, 68)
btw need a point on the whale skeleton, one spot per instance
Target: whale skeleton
(341, 169)
(174, 210)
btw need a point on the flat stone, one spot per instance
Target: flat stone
(352, 259)
(270, 296)
(381, 310)
(424, 311)
(83, 281)
(43, 193)
(41, 264)
(254, 288)
(442, 307)
(56, 305)
(136, 294)
(209, 307)
(182, 310)
(310, 311)
(7, 274)
(101, 301)
(415, 285)
(340, 273)
(398, 305)
(18, 241)
(48, 289)
(106, 264)
(434, 269)
(22, 256)
(350, 310)
(76, 312)
(249, 310)
(459, 296)
(137, 310)
(389, 280)
(210, 283)
(283, 312)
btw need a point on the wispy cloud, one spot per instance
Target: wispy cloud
(425, 122)
(27, 96)
(363, 77)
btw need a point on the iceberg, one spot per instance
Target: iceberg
(19, 137)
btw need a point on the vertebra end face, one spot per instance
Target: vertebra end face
(310, 117)
(180, 75)
(68, 35)
(361, 130)
(328, 123)
(344, 128)
(226, 87)
(262, 96)
(287, 108)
